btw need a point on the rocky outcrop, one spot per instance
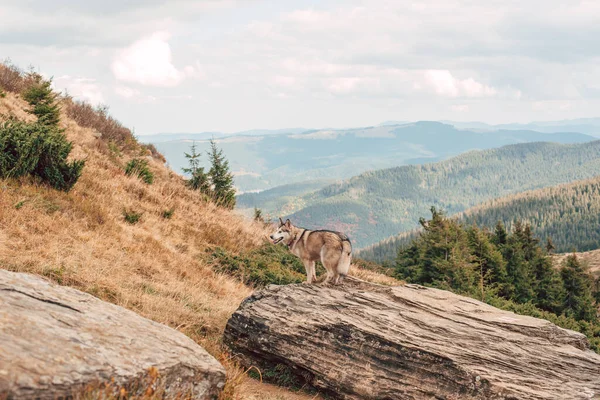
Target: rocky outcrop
(57, 341)
(364, 341)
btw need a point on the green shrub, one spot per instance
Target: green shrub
(131, 217)
(43, 100)
(266, 265)
(167, 214)
(38, 150)
(138, 167)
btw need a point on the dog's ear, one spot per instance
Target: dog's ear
(281, 222)
(288, 223)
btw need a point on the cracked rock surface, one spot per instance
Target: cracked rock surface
(365, 341)
(56, 341)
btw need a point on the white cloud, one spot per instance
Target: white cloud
(80, 88)
(443, 83)
(148, 62)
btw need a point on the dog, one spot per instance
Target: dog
(333, 249)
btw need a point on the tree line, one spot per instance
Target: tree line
(511, 269)
(569, 214)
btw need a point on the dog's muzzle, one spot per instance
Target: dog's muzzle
(275, 241)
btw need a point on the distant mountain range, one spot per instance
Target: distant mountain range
(569, 214)
(378, 204)
(265, 160)
(589, 126)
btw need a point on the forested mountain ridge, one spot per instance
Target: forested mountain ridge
(568, 214)
(377, 204)
(261, 162)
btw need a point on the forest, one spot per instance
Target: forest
(510, 269)
(378, 204)
(568, 214)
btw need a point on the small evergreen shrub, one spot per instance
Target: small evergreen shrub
(266, 265)
(43, 100)
(167, 214)
(38, 150)
(132, 217)
(139, 168)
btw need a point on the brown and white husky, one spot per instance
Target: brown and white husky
(333, 249)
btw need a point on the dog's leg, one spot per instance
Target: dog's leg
(309, 266)
(329, 260)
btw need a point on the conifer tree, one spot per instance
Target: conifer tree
(258, 215)
(199, 179)
(578, 301)
(491, 264)
(549, 245)
(500, 234)
(221, 177)
(42, 99)
(548, 287)
(517, 267)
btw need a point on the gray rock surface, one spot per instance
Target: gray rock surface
(56, 341)
(367, 341)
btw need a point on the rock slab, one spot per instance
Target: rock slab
(56, 341)
(366, 341)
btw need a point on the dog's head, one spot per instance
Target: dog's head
(283, 232)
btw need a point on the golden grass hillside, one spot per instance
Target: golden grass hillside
(156, 267)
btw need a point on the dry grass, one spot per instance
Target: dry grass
(591, 258)
(154, 267)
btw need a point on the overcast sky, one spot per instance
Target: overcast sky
(212, 65)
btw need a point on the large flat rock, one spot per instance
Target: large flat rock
(409, 342)
(56, 341)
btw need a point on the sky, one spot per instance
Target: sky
(227, 65)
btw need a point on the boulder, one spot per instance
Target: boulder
(56, 342)
(366, 341)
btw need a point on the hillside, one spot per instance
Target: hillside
(569, 214)
(185, 263)
(280, 200)
(265, 161)
(590, 258)
(379, 204)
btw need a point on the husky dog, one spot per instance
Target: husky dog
(332, 248)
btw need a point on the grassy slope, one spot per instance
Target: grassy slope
(159, 267)
(378, 204)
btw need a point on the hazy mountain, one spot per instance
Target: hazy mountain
(589, 126)
(378, 204)
(266, 161)
(569, 214)
(167, 137)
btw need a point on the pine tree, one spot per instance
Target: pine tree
(549, 245)
(258, 216)
(547, 284)
(500, 234)
(42, 99)
(578, 301)
(491, 264)
(199, 179)
(518, 269)
(221, 177)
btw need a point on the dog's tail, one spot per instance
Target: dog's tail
(346, 258)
